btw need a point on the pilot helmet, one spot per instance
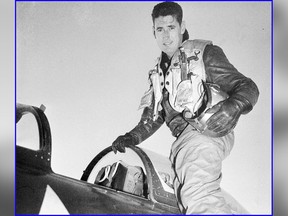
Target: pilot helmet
(213, 95)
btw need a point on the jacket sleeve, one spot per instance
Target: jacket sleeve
(146, 127)
(221, 72)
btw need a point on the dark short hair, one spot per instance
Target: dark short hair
(167, 8)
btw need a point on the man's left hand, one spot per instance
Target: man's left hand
(225, 117)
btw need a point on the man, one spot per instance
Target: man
(189, 77)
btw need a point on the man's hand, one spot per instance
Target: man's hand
(225, 117)
(123, 141)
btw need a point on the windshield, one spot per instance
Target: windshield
(161, 164)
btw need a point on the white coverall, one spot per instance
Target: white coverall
(197, 162)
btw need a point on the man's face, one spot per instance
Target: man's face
(168, 33)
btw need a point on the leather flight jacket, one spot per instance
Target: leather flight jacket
(208, 63)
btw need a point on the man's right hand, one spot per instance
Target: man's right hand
(123, 141)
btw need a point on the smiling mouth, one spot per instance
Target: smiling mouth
(167, 43)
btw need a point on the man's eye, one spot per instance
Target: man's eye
(159, 30)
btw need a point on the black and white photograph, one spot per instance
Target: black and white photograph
(143, 107)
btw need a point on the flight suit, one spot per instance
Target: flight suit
(195, 158)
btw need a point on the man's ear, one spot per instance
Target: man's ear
(153, 30)
(183, 27)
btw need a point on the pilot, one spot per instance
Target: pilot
(200, 96)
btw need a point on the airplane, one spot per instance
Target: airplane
(39, 190)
